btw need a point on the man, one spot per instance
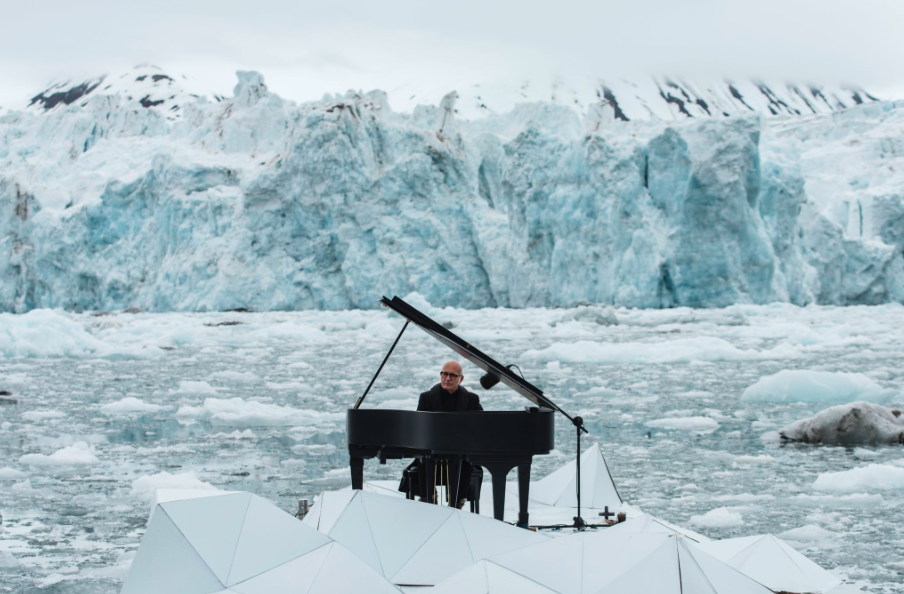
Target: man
(447, 396)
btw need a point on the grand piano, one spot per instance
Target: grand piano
(496, 440)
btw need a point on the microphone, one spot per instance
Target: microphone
(490, 379)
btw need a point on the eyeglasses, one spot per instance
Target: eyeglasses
(449, 375)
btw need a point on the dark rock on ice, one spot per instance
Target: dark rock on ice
(857, 423)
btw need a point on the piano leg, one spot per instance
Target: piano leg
(431, 471)
(357, 466)
(453, 480)
(523, 490)
(499, 494)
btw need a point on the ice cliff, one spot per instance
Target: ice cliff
(256, 202)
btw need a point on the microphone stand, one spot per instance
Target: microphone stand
(579, 523)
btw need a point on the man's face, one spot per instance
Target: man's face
(450, 377)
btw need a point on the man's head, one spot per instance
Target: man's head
(450, 377)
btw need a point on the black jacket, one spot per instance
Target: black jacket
(431, 400)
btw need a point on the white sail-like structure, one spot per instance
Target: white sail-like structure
(409, 542)
(774, 563)
(597, 488)
(607, 563)
(238, 542)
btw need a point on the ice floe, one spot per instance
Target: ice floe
(798, 385)
(881, 477)
(858, 423)
(78, 454)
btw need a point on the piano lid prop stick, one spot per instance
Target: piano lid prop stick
(385, 359)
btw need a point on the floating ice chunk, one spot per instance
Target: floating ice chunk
(809, 533)
(246, 434)
(236, 412)
(692, 424)
(315, 449)
(49, 333)
(672, 351)
(240, 377)
(194, 387)
(23, 487)
(864, 478)
(797, 385)
(9, 474)
(130, 404)
(751, 460)
(145, 486)
(79, 453)
(7, 561)
(849, 424)
(852, 500)
(41, 415)
(721, 517)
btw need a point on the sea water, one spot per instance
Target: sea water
(109, 407)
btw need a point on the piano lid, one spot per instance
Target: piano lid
(471, 353)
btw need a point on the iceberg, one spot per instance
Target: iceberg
(858, 423)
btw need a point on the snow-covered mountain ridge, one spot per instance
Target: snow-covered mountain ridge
(257, 202)
(647, 98)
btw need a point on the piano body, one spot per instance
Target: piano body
(496, 440)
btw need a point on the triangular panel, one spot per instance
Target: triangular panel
(332, 503)
(400, 527)
(487, 537)
(556, 563)
(343, 572)
(607, 556)
(212, 525)
(504, 581)
(471, 580)
(294, 577)
(445, 552)
(352, 530)
(657, 572)
(724, 578)
(270, 537)
(166, 562)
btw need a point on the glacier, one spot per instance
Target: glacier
(256, 202)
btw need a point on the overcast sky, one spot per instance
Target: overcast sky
(305, 49)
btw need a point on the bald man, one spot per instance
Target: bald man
(449, 395)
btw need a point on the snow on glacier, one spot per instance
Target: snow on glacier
(255, 202)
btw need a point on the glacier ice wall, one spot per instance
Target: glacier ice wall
(256, 202)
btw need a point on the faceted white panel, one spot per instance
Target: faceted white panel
(331, 505)
(166, 562)
(772, 563)
(400, 527)
(656, 573)
(212, 526)
(470, 580)
(352, 530)
(555, 563)
(164, 495)
(724, 578)
(343, 573)
(270, 537)
(445, 553)
(504, 581)
(597, 488)
(607, 556)
(294, 577)
(488, 537)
